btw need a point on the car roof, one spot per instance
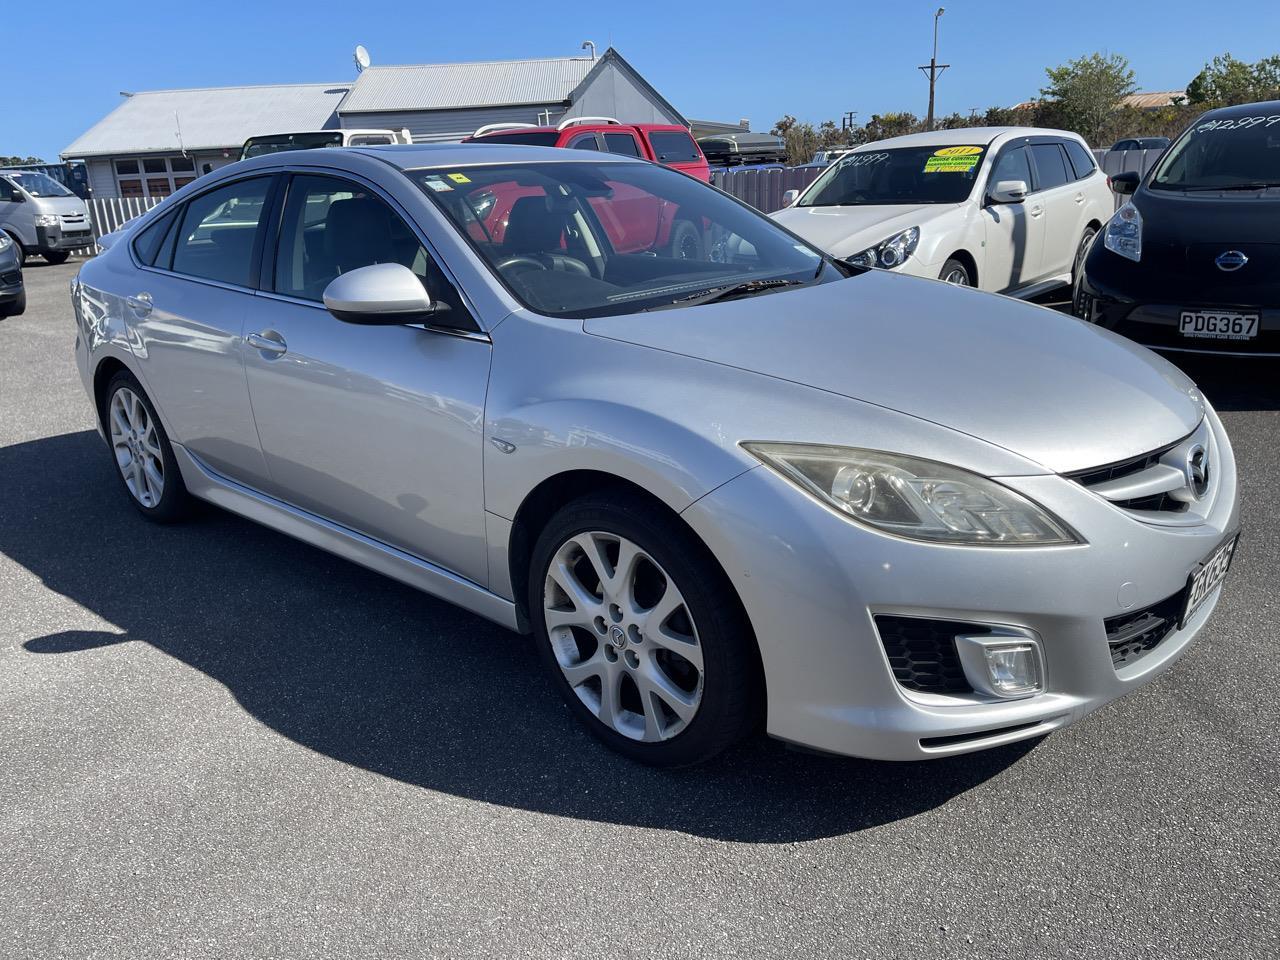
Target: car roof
(601, 125)
(1244, 110)
(964, 136)
(413, 156)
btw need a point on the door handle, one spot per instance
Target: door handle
(140, 304)
(270, 342)
(1079, 198)
(1037, 210)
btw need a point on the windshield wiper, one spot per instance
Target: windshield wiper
(1258, 185)
(744, 289)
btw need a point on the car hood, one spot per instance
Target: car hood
(844, 231)
(1039, 383)
(60, 205)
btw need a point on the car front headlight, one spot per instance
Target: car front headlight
(45, 220)
(889, 253)
(1124, 233)
(5, 241)
(914, 498)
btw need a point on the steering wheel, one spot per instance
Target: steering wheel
(521, 261)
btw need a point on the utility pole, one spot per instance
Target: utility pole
(847, 121)
(934, 69)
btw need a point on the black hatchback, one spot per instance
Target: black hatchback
(1192, 261)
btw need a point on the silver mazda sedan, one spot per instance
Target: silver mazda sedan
(724, 480)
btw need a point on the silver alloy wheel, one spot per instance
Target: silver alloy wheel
(957, 275)
(623, 636)
(137, 447)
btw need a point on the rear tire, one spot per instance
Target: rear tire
(56, 257)
(145, 464)
(642, 632)
(956, 272)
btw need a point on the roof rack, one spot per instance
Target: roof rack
(577, 120)
(490, 127)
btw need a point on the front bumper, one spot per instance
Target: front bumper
(55, 239)
(812, 583)
(1148, 311)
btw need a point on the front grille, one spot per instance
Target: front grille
(1114, 471)
(10, 279)
(1131, 636)
(922, 653)
(1161, 502)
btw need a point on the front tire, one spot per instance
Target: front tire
(686, 241)
(144, 458)
(1077, 273)
(643, 634)
(56, 257)
(956, 272)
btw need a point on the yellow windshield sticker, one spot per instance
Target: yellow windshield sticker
(953, 160)
(459, 178)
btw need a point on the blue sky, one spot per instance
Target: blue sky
(714, 60)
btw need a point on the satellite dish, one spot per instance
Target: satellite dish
(361, 57)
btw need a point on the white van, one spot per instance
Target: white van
(42, 216)
(311, 139)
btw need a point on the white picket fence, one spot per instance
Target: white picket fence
(107, 215)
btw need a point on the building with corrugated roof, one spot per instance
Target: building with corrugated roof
(156, 141)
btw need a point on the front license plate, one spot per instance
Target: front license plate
(1216, 325)
(1208, 577)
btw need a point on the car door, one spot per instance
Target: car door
(376, 428)
(1014, 231)
(1063, 200)
(187, 304)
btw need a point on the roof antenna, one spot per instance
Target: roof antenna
(590, 45)
(361, 57)
(178, 125)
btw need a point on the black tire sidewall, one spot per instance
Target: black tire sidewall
(1077, 272)
(174, 501)
(56, 257)
(679, 230)
(730, 693)
(953, 264)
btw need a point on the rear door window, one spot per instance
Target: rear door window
(1051, 165)
(672, 146)
(623, 143)
(219, 231)
(585, 142)
(150, 241)
(1081, 159)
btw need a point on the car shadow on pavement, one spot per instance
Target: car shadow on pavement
(371, 673)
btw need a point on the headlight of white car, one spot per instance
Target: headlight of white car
(914, 498)
(1124, 233)
(45, 220)
(889, 253)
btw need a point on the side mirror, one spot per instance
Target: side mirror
(789, 197)
(1126, 183)
(1009, 191)
(383, 293)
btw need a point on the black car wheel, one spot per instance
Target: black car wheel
(1077, 274)
(56, 257)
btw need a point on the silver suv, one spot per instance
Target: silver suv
(42, 216)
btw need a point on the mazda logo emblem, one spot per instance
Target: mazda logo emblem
(1231, 260)
(1197, 470)
(618, 636)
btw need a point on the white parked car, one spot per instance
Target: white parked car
(1006, 209)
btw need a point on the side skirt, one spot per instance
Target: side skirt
(221, 491)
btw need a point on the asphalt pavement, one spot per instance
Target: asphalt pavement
(218, 742)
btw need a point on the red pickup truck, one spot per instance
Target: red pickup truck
(662, 143)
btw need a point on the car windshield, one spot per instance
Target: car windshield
(934, 174)
(257, 146)
(1238, 153)
(40, 184)
(588, 239)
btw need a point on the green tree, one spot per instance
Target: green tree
(1083, 94)
(17, 161)
(1225, 81)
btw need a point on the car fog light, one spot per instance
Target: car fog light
(1001, 666)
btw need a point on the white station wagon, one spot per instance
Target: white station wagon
(1005, 209)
